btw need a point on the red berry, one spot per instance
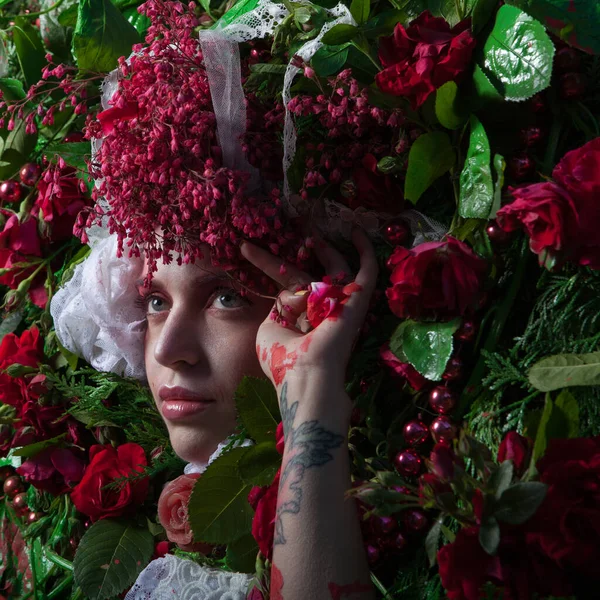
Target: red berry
(399, 541)
(521, 166)
(408, 462)
(572, 86)
(385, 525)
(396, 233)
(454, 369)
(538, 104)
(20, 501)
(34, 516)
(441, 399)
(567, 59)
(531, 136)
(12, 486)
(10, 191)
(415, 520)
(466, 332)
(373, 554)
(415, 433)
(442, 429)
(30, 173)
(498, 237)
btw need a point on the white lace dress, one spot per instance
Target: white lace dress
(174, 578)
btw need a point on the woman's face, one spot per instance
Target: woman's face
(200, 342)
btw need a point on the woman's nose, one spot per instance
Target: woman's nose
(180, 341)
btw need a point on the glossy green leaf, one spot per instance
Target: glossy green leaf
(68, 17)
(241, 554)
(139, 21)
(574, 21)
(482, 13)
(340, 34)
(518, 53)
(489, 535)
(565, 370)
(259, 464)
(37, 447)
(101, 36)
(499, 165)
(426, 346)
(485, 90)
(476, 185)
(519, 502)
(258, 408)
(12, 89)
(73, 153)
(359, 9)
(110, 556)
(219, 512)
(30, 50)
(329, 60)
(430, 156)
(449, 112)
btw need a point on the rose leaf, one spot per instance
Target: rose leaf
(258, 409)
(449, 112)
(259, 464)
(565, 370)
(519, 502)
(241, 554)
(110, 556)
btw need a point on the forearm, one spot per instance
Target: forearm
(318, 551)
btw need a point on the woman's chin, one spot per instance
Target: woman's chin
(194, 445)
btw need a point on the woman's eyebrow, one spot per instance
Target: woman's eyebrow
(201, 278)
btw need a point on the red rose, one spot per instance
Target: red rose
(27, 350)
(108, 464)
(18, 243)
(58, 203)
(435, 280)
(548, 215)
(567, 525)
(402, 369)
(517, 448)
(264, 502)
(173, 512)
(53, 471)
(562, 219)
(423, 57)
(374, 190)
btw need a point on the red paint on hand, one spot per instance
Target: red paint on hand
(281, 362)
(306, 343)
(276, 584)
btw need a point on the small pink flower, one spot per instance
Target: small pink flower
(326, 300)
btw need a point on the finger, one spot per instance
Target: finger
(292, 304)
(333, 261)
(291, 277)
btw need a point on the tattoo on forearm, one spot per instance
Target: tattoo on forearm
(307, 445)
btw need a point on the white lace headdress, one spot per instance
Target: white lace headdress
(95, 313)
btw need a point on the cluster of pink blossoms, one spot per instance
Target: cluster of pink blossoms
(357, 135)
(160, 166)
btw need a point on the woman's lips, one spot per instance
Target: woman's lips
(178, 403)
(176, 409)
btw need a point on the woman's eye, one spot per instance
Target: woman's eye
(229, 298)
(154, 304)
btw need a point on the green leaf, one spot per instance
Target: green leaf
(259, 464)
(577, 22)
(541, 436)
(329, 60)
(567, 409)
(74, 153)
(519, 502)
(430, 156)
(499, 166)
(139, 21)
(453, 11)
(360, 9)
(482, 13)
(432, 541)
(519, 54)
(340, 34)
(37, 447)
(10, 323)
(101, 36)
(476, 185)
(30, 50)
(68, 17)
(449, 112)
(219, 512)
(241, 554)
(383, 23)
(258, 408)
(501, 478)
(565, 370)
(268, 69)
(12, 89)
(426, 346)
(485, 90)
(489, 535)
(390, 164)
(110, 556)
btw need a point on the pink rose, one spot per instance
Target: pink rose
(325, 300)
(173, 512)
